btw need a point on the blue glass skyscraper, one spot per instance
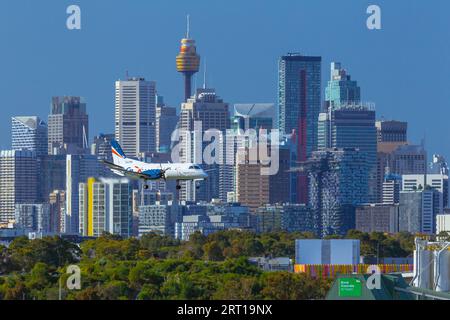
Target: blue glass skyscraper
(299, 104)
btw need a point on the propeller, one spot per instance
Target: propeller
(163, 172)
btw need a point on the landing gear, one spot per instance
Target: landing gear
(178, 185)
(146, 186)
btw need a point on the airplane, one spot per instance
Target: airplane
(135, 169)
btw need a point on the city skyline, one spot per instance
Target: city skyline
(155, 60)
(253, 150)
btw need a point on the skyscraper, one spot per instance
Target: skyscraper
(57, 201)
(52, 169)
(339, 180)
(68, 126)
(166, 122)
(255, 116)
(188, 61)
(135, 116)
(299, 103)
(29, 133)
(392, 131)
(208, 110)
(101, 147)
(341, 90)
(390, 136)
(252, 188)
(351, 126)
(248, 117)
(409, 159)
(18, 181)
(105, 206)
(78, 169)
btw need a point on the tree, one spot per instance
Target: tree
(213, 252)
(239, 288)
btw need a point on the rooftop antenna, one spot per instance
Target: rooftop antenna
(204, 76)
(126, 75)
(188, 26)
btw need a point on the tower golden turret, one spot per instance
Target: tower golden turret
(188, 62)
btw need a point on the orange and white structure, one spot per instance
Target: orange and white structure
(188, 61)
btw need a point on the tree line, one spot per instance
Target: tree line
(159, 267)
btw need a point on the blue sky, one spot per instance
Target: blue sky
(404, 68)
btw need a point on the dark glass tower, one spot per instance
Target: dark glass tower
(299, 104)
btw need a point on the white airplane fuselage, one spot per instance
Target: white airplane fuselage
(173, 171)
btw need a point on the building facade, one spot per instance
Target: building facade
(33, 217)
(78, 169)
(135, 113)
(351, 126)
(377, 218)
(204, 113)
(418, 210)
(159, 218)
(29, 133)
(341, 89)
(299, 104)
(105, 206)
(68, 126)
(339, 180)
(166, 122)
(18, 181)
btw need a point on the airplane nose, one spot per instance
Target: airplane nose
(204, 174)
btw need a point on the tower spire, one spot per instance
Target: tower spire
(188, 61)
(188, 26)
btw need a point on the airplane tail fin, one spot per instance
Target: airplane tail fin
(117, 152)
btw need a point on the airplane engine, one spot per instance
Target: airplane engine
(154, 174)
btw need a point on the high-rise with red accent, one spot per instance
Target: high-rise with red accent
(299, 103)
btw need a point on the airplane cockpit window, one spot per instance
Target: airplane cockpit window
(195, 167)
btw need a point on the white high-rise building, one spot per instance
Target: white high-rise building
(135, 116)
(105, 206)
(204, 112)
(18, 181)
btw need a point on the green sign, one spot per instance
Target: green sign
(350, 287)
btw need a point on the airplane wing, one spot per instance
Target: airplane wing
(126, 172)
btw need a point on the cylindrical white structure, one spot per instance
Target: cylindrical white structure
(423, 269)
(442, 270)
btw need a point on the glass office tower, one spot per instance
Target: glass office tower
(299, 104)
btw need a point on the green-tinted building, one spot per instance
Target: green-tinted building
(341, 89)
